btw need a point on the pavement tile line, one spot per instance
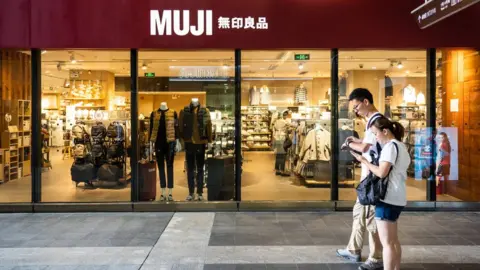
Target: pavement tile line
(150, 251)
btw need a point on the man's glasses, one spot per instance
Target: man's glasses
(356, 106)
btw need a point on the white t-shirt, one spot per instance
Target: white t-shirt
(369, 139)
(397, 187)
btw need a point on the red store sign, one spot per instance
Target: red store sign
(246, 24)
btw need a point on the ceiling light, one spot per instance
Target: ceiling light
(72, 59)
(225, 66)
(44, 51)
(400, 66)
(408, 71)
(144, 67)
(300, 66)
(66, 83)
(374, 67)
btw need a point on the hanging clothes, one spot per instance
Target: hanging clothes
(388, 87)
(316, 145)
(300, 95)
(254, 96)
(264, 96)
(342, 87)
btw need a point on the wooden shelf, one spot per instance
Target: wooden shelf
(83, 98)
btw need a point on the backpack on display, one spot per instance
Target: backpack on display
(78, 132)
(79, 151)
(98, 151)
(110, 173)
(115, 150)
(115, 131)
(98, 133)
(82, 172)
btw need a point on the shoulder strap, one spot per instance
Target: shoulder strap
(396, 147)
(372, 119)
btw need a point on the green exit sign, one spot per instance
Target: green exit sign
(150, 75)
(302, 56)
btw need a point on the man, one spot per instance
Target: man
(363, 216)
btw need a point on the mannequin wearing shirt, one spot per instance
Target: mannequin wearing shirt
(164, 134)
(195, 127)
(254, 96)
(409, 96)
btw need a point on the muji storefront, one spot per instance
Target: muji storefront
(99, 102)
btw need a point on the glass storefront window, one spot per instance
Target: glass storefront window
(397, 81)
(85, 126)
(458, 125)
(186, 125)
(15, 126)
(286, 125)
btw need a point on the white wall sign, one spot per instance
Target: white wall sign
(178, 22)
(454, 105)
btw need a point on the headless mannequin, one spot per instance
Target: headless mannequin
(164, 148)
(164, 107)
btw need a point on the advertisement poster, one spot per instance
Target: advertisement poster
(444, 151)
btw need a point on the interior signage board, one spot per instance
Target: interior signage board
(150, 74)
(302, 57)
(434, 11)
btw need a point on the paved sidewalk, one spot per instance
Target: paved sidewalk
(223, 241)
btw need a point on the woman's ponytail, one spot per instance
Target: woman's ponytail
(396, 128)
(398, 131)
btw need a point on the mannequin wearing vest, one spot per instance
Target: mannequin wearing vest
(164, 135)
(195, 127)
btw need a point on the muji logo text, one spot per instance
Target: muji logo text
(178, 22)
(163, 25)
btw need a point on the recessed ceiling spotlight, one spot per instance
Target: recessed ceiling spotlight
(44, 51)
(144, 67)
(374, 67)
(400, 65)
(300, 66)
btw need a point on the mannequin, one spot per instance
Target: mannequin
(195, 127)
(164, 134)
(409, 96)
(254, 96)
(264, 95)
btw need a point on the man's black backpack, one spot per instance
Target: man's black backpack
(373, 188)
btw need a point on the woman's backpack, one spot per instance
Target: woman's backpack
(372, 189)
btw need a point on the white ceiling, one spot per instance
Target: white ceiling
(271, 63)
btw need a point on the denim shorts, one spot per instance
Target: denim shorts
(387, 212)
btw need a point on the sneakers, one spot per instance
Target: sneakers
(346, 254)
(170, 198)
(162, 198)
(371, 265)
(199, 197)
(189, 198)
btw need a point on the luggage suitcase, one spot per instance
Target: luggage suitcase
(82, 172)
(147, 175)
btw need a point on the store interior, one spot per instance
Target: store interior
(285, 110)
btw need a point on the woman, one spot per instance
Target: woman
(444, 165)
(394, 161)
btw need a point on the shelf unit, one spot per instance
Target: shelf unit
(4, 166)
(24, 137)
(255, 118)
(10, 140)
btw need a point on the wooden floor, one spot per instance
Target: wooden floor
(259, 182)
